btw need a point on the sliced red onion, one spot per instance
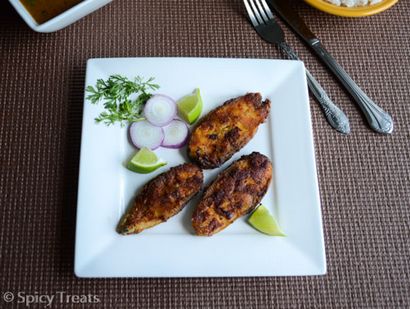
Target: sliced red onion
(160, 110)
(144, 134)
(176, 134)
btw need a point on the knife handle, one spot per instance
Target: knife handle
(334, 115)
(378, 119)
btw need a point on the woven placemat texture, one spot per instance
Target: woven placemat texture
(364, 177)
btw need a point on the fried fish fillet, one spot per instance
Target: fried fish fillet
(161, 198)
(227, 129)
(234, 193)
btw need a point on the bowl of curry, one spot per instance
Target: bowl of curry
(53, 15)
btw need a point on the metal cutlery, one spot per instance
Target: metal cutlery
(379, 120)
(268, 29)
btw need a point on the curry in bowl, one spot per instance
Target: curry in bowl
(44, 10)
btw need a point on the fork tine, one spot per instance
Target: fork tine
(256, 12)
(261, 11)
(267, 9)
(252, 17)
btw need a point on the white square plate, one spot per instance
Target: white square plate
(106, 187)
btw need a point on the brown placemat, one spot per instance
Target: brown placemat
(364, 177)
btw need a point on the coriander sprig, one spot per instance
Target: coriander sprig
(116, 92)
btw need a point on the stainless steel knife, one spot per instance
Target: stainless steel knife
(378, 119)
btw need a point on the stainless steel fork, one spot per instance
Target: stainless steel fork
(268, 29)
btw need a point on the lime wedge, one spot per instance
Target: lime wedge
(145, 161)
(190, 106)
(263, 221)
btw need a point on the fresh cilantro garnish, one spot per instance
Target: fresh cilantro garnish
(116, 92)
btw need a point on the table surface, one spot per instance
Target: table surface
(364, 177)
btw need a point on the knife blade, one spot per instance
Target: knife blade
(286, 12)
(379, 120)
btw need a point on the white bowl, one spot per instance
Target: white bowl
(62, 20)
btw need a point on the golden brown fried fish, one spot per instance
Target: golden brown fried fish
(234, 193)
(227, 129)
(161, 198)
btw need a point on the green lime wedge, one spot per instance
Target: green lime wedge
(190, 106)
(263, 221)
(145, 161)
